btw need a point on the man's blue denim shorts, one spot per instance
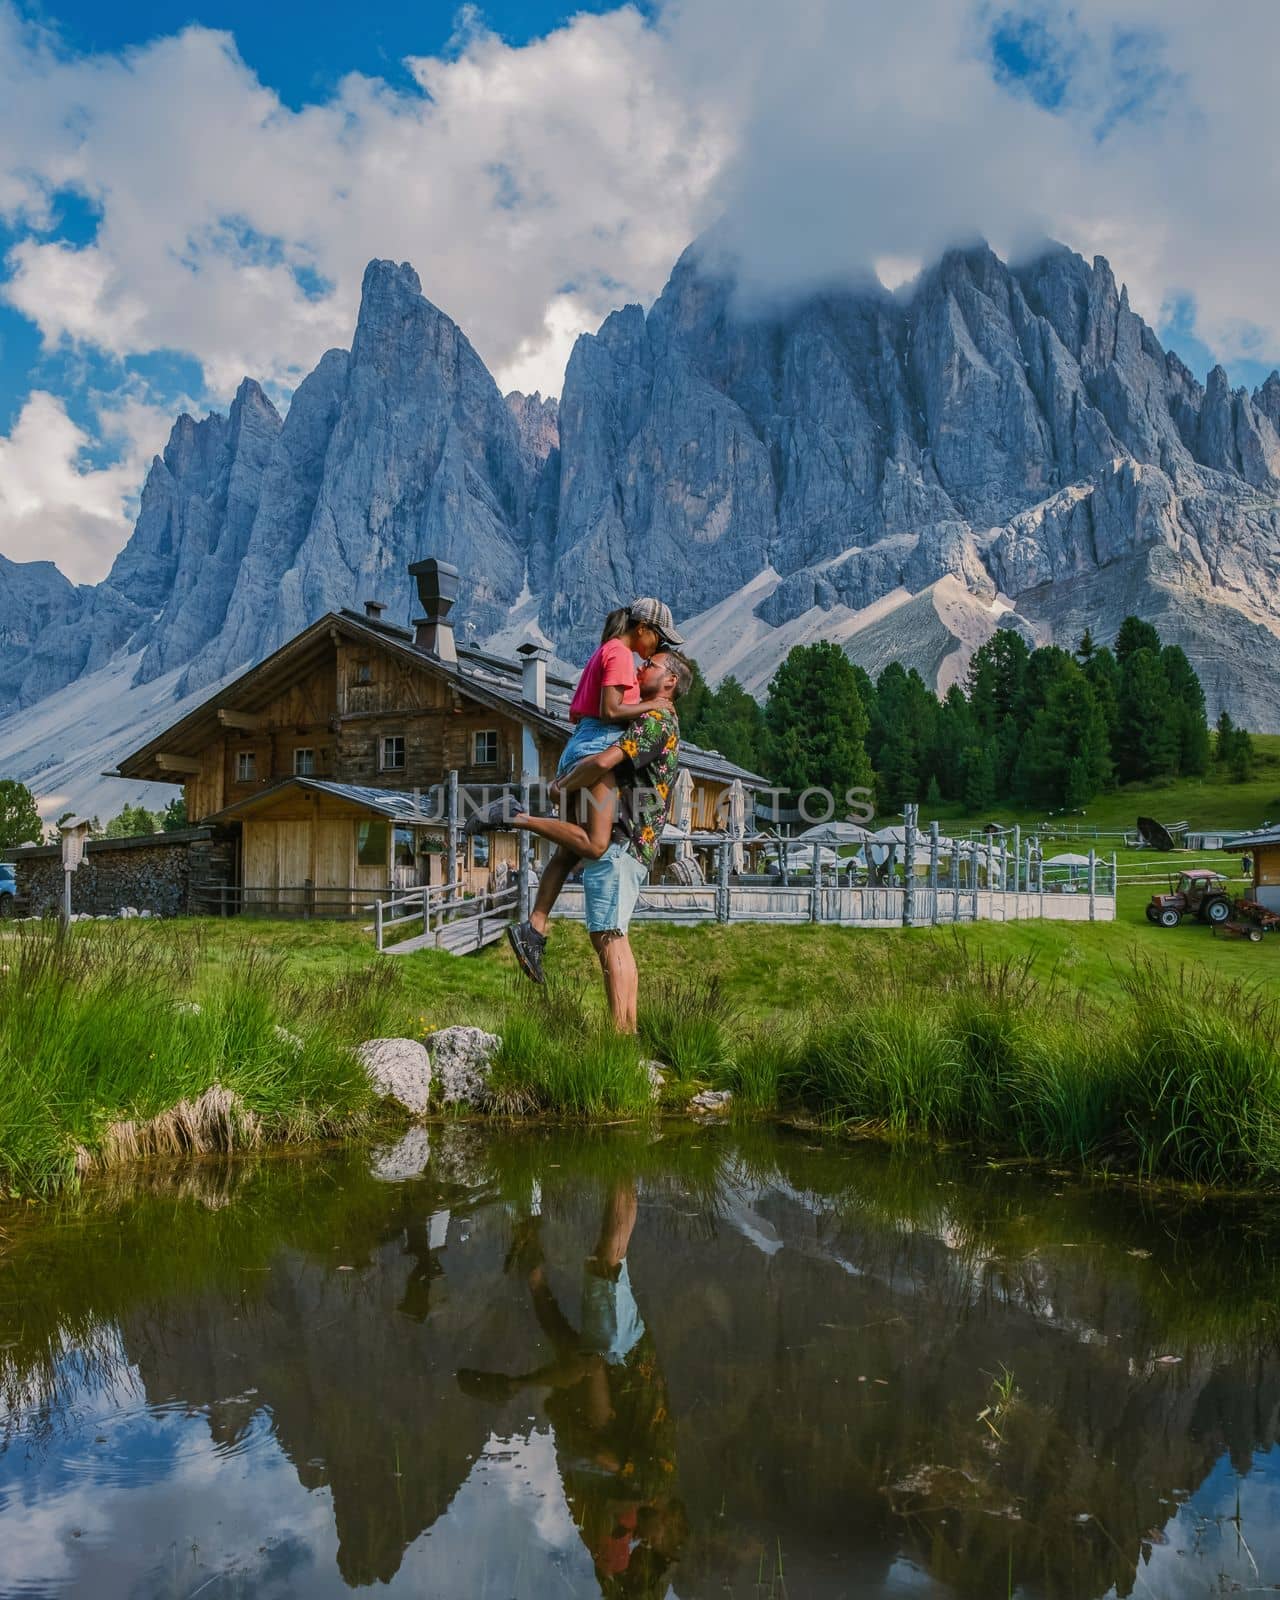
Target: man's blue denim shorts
(591, 737)
(612, 886)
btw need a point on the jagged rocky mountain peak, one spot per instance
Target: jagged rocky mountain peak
(992, 444)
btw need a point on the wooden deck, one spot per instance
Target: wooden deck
(444, 919)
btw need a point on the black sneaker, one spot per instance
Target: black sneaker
(493, 818)
(528, 945)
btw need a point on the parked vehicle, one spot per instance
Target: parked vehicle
(1201, 894)
(8, 889)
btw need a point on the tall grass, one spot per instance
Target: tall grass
(690, 1026)
(1178, 1079)
(560, 1055)
(124, 1043)
(120, 1044)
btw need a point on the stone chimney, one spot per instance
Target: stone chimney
(437, 590)
(533, 659)
(373, 609)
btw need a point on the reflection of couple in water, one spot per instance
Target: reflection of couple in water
(607, 1401)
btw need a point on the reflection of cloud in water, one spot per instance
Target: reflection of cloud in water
(1198, 1552)
(508, 1529)
(157, 1505)
(183, 1513)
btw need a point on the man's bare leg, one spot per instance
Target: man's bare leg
(620, 978)
(553, 879)
(617, 1223)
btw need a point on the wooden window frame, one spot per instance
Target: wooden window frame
(246, 759)
(383, 764)
(486, 734)
(308, 751)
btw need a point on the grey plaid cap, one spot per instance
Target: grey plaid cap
(657, 616)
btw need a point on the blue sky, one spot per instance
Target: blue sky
(302, 50)
(177, 211)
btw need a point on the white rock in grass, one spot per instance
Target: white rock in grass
(285, 1037)
(463, 1059)
(188, 1008)
(656, 1072)
(393, 1163)
(399, 1069)
(717, 1100)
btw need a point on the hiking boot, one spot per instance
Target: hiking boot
(528, 945)
(493, 818)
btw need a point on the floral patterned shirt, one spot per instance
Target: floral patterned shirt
(651, 745)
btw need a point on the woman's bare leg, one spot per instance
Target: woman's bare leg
(589, 840)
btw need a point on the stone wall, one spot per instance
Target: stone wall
(154, 872)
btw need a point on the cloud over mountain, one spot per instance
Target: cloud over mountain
(538, 187)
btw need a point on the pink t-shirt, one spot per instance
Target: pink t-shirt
(612, 663)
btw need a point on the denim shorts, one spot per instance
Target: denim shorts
(591, 737)
(611, 1322)
(611, 887)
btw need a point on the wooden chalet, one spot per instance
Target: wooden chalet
(330, 761)
(1263, 848)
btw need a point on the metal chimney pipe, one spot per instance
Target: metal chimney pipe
(533, 665)
(437, 590)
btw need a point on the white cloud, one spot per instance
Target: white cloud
(52, 506)
(859, 134)
(520, 182)
(536, 188)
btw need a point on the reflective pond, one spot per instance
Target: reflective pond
(703, 1362)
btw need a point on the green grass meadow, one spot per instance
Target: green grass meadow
(1146, 1050)
(1113, 1043)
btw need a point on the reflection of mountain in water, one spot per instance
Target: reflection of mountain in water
(825, 1358)
(355, 1368)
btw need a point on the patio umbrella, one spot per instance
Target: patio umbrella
(737, 820)
(836, 833)
(1067, 860)
(682, 812)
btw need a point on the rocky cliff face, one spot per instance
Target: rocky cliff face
(994, 445)
(1020, 431)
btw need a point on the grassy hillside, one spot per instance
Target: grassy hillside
(1209, 802)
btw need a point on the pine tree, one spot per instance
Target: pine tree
(1240, 757)
(175, 815)
(1135, 634)
(733, 725)
(1085, 649)
(19, 819)
(903, 735)
(1103, 674)
(1224, 737)
(131, 821)
(694, 707)
(1146, 733)
(1188, 711)
(933, 794)
(954, 732)
(995, 678)
(1065, 757)
(979, 778)
(815, 722)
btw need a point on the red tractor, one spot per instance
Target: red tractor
(1201, 894)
